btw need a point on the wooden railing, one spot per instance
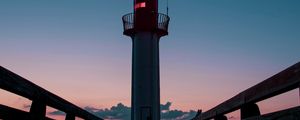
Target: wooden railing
(282, 82)
(40, 99)
(8, 113)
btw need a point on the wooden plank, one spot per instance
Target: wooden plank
(8, 113)
(16, 84)
(38, 109)
(282, 82)
(70, 117)
(288, 114)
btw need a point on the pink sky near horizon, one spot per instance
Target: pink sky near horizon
(87, 80)
(184, 102)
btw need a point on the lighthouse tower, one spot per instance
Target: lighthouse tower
(145, 26)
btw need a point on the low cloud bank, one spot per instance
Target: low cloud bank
(57, 113)
(122, 112)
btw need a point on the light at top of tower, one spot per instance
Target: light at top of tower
(140, 5)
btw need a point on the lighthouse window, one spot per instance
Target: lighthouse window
(140, 5)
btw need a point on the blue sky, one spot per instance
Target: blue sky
(215, 49)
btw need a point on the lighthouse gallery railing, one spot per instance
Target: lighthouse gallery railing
(162, 23)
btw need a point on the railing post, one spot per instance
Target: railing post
(249, 110)
(38, 110)
(70, 117)
(220, 117)
(198, 115)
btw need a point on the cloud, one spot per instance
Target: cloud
(57, 113)
(168, 114)
(166, 106)
(178, 115)
(119, 111)
(122, 112)
(91, 109)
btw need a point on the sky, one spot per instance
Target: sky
(215, 49)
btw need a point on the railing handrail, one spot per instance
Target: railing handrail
(282, 82)
(162, 23)
(165, 17)
(9, 113)
(16, 84)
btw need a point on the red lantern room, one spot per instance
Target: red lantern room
(145, 14)
(145, 18)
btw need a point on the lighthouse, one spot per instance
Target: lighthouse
(145, 26)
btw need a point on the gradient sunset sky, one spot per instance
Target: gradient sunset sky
(215, 49)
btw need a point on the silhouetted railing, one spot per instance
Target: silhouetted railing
(128, 21)
(40, 99)
(163, 21)
(162, 24)
(8, 113)
(282, 82)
